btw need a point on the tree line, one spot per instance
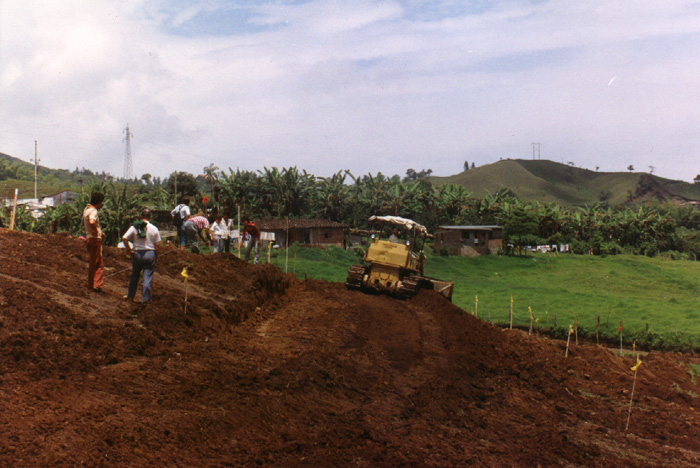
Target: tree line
(274, 193)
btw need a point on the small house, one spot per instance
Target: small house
(60, 198)
(312, 232)
(469, 240)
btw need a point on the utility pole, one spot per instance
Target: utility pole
(175, 187)
(536, 150)
(128, 167)
(36, 171)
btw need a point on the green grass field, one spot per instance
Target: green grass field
(660, 294)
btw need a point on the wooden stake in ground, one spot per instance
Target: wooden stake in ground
(532, 320)
(511, 312)
(476, 306)
(619, 330)
(14, 211)
(184, 273)
(634, 383)
(568, 340)
(286, 247)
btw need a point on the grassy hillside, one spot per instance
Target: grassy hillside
(18, 174)
(549, 181)
(640, 291)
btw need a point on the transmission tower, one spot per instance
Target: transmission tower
(536, 150)
(128, 166)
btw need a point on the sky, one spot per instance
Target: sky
(364, 86)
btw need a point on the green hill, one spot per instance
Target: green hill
(549, 181)
(18, 174)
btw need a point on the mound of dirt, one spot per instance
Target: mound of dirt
(265, 370)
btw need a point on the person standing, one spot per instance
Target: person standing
(94, 237)
(180, 215)
(226, 231)
(145, 238)
(250, 229)
(217, 235)
(197, 227)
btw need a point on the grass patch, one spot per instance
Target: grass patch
(694, 370)
(658, 300)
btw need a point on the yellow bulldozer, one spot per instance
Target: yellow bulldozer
(395, 266)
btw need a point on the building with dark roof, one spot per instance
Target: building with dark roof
(469, 240)
(312, 232)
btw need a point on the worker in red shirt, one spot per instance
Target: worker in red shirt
(252, 234)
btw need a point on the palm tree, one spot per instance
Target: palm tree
(212, 176)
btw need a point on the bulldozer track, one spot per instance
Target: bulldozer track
(355, 276)
(409, 287)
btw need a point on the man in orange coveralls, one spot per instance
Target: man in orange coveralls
(94, 242)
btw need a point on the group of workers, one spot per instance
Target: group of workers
(218, 233)
(142, 238)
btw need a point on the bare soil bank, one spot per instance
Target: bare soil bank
(267, 370)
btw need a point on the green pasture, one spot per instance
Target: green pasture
(657, 299)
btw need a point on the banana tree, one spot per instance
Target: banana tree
(331, 197)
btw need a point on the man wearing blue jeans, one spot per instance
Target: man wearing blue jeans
(180, 215)
(197, 227)
(145, 238)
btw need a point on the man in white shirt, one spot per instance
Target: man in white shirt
(180, 215)
(394, 237)
(217, 234)
(226, 231)
(145, 238)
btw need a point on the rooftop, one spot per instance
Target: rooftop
(277, 224)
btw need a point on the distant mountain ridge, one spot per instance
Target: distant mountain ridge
(549, 181)
(542, 180)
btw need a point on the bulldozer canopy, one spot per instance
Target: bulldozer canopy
(398, 221)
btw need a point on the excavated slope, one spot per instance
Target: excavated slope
(265, 370)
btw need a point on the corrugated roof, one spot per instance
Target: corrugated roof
(489, 227)
(276, 224)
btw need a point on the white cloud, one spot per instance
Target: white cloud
(365, 86)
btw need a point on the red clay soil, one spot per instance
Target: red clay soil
(266, 370)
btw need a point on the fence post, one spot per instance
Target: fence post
(14, 211)
(511, 312)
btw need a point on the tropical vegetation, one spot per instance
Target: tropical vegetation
(649, 228)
